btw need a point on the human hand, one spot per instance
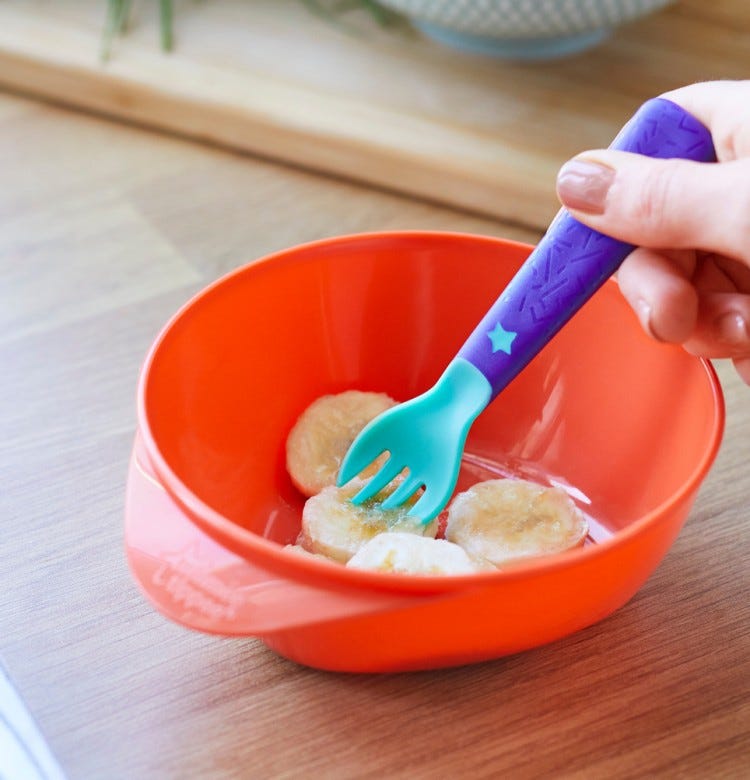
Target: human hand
(688, 280)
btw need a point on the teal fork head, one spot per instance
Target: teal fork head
(424, 437)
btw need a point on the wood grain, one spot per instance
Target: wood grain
(385, 107)
(106, 231)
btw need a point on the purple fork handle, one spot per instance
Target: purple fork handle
(572, 261)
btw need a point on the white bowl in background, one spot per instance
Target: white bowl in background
(522, 29)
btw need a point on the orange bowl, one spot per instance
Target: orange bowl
(629, 427)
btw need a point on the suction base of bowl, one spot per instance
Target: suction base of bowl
(525, 49)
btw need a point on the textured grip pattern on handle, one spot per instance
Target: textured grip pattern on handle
(572, 261)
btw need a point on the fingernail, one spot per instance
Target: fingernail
(583, 185)
(643, 309)
(733, 328)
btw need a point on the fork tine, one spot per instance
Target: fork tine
(375, 484)
(360, 455)
(429, 504)
(403, 492)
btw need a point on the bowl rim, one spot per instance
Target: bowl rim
(270, 555)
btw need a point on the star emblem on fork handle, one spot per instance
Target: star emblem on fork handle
(501, 339)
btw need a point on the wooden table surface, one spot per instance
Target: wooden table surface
(106, 230)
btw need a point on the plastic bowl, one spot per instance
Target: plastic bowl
(522, 29)
(629, 426)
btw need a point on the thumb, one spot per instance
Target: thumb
(675, 204)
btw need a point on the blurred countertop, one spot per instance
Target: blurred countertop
(374, 104)
(106, 229)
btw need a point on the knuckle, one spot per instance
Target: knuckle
(732, 221)
(658, 192)
(742, 237)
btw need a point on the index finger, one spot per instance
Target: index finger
(724, 108)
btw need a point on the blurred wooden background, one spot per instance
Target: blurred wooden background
(381, 106)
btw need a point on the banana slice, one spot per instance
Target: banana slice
(335, 527)
(505, 519)
(298, 549)
(404, 553)
(324, 432)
